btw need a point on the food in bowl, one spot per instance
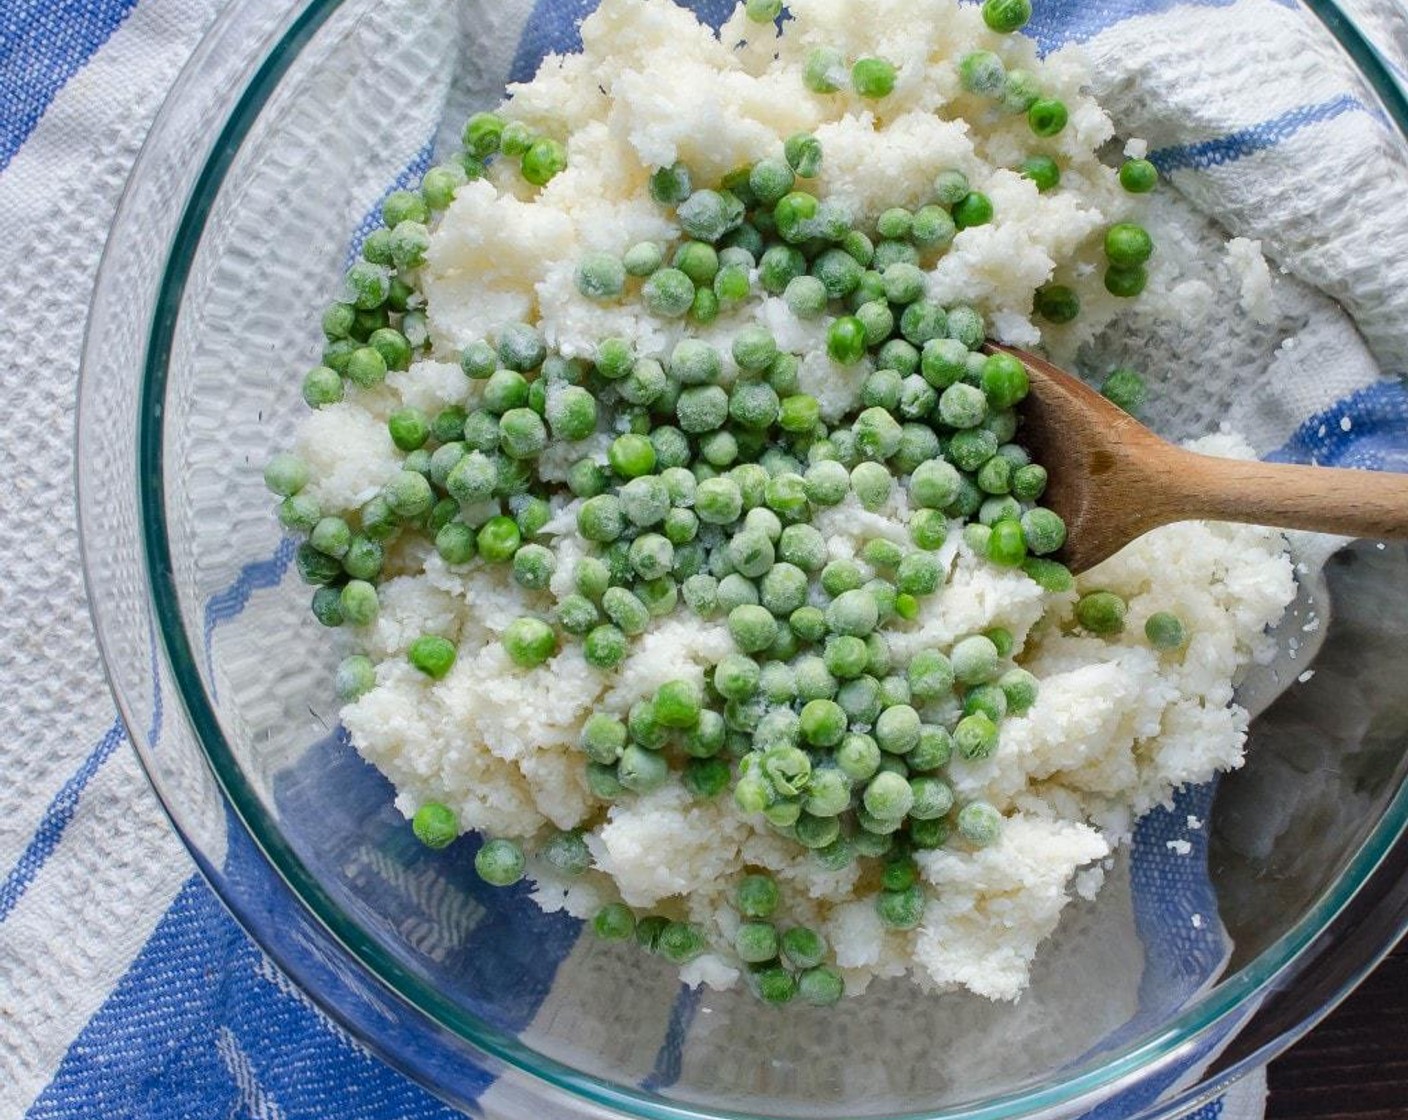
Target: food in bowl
(684, 528)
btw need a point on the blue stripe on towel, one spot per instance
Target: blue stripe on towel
(55, 821)
(1055, 23)
(1244, 142)
(43, 43)
(1363, 430)
(670, 1058)
(202, 1026)
(57, 817)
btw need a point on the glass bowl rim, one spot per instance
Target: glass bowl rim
(1094, 1080)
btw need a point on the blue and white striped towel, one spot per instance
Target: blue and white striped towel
(125, 989)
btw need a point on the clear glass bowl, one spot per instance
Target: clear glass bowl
(279, 138)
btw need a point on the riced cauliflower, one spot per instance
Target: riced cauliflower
(492, 690)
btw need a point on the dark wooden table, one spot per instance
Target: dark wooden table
(1354, 1065)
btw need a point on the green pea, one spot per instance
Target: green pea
(1125, 388)
(824, 70)
(1041, 170)
(432, 655)
(529, 642)
(1165, 631)
(544, 161)
(1047, 116)
(1126, 283)
(435, 825)
(980, 824)
(873, 78)
(1138, 176)
(1007, 16)
(975, 210)
(1101, 612)
(500, 863)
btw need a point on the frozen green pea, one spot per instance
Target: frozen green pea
(804, 154)
(860, 700)
(668, 293)
(752, 628)
(576, 614)
(982, 72)
(700, 593)
(327, 606)
(827, 483)
(853, 613)
(859, 757)
(928, 529)
(918, 573)
(881, 553)
(778, 683)
(933, 228)
(1101, 612)
(828, 793)
(989, 699)
(752, 553)
(285, 474)
(897, 730)
(702, 408)
(754, 405)
(934, 485)
(603, 738)
(976, 736)
(980, 824)
(798, 413)
(603, 782)
(840, 576)
(693, 362)
(887, 797)
(783, 589)
(963, 406)
(804, 546)
(301, 513)
(1043, 531)
(1007, 542)
(814, 679)
(625, 610)
(823, 722)
(1020, 689)
(873, 78)
(641, 770)
(1165, 631)
(825, 70)
(1029, 482)
(931, 676)
(614, 922)
(846, 656)
(435, 825)
(934, 749)
(808, 623)
(786, 494)
(872, 484)
(736, 591)
(974, 660)
(359, 603)
(764, 520)
(356, 676)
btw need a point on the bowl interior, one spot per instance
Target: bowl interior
(346, 121)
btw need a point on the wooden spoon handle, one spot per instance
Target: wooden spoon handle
(1358, 503)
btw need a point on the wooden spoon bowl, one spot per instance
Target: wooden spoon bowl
(1112, 479)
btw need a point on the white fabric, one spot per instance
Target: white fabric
(1326, 201)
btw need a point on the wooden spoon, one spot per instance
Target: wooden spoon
(1113, 480)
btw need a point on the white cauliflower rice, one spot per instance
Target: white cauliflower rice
(1117, 725)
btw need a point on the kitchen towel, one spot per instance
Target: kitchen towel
(125, 989)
